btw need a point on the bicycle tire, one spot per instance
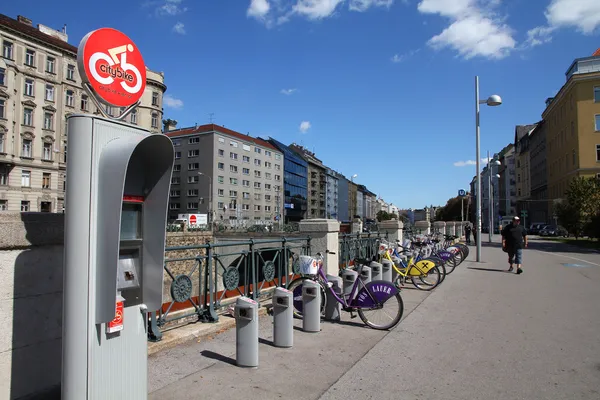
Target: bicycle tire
(426, 286)
(394, 321)
(297, 283)
(440, 264)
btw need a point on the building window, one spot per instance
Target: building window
(30, 58)
(257, 162)
(176, 180)
(49, 93)
(26, 150)
(26, 178)
(257, 150)
(192, 206)
(48, 121)
(192, 192)
(194, 140)
(2, 108)
(233, 181)
(246, 159)
(29, 87)
(174, 206)
(50, 62)
(246, 207)
(193, 153)
(221, 166)
(193, 166)
(233, 156)
(46, 181)
(232, 193)
(3, 175)
(257, 185)
(177, 168)
(267, 175)
(2, 77)
(220, 179)
(193, 179)
(257, 174)
(84, 102)
(69, 98)
(47, 153)
(134, 117)
(246, 171)
(598, 152)
(221, 153)
(256, 196)
(220, 192)
(154, 120)
(177, 155)
(278, 156)
(233, 168)
(597, 116)
(233, 144)
(24, 206)
(176, 142)
(246, 195)
(175, 193)
(7, 50)
(3, 205)
(220, 205)
(597, 94)
(71, 72)
(277, 167)
(245, 183)
(256, 207)
(267, 153)
(154, 98)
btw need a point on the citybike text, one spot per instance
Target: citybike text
(116, 72)
(375, 289)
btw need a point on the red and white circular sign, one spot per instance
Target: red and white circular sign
(193, 220)
(113, 66)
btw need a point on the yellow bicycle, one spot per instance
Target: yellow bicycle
(424, 274)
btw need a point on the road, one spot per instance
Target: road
(483, 334)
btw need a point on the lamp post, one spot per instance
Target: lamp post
(209, 197)
(491, 163)
(493, 100)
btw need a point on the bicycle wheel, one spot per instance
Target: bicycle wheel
(295, 287)
(440, 264)
(428, 282)
(394, 304)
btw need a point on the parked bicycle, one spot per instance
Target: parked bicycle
(381, 298)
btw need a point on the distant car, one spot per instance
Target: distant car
(553, 230)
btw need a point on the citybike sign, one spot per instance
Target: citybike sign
(111, 67)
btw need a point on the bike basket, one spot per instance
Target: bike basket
(307, 265)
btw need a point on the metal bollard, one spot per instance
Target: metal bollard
(333, 308)
(246, 332)
(283, 318)
(387, 270)
(349, 276)
(311, 306)
(365, 274)
(376, 271)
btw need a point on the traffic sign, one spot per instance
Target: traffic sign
(193, 219)
(523, 213)
(462, 192)
(112, 66)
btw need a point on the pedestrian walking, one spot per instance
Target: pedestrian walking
(514, 240)
(468, 230)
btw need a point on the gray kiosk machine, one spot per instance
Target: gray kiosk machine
(118, 179)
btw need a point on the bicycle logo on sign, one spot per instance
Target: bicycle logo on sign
(116, 68)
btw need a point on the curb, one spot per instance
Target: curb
(195, 331)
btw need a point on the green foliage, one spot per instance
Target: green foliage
(449, 212)
(580, 214)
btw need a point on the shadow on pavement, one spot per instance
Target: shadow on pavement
(266, 341)
(559, 247)
(489, 269)
(219, 357)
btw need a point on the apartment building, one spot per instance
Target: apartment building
(39, 88)
(572, 120)
(538, 204)
(295, 183)
(317, 182)
(352, 200)
(225, 174)
(507, 183)
(343, 202)
(521, 142)
(332, 194)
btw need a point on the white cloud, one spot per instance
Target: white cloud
(474, 31)
(171, 7)
(179, 28)
(464, 163)
(287, 91)
(364, 5)
(258, 9)
(398, 58)
(583, 15)
(304, 126)
(172, 102)
(277, 12)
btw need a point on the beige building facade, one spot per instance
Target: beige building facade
(39, 88)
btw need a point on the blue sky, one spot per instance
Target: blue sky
(379, 88)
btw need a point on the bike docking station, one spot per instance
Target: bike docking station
(246, 332)
(333, 308)
(118, 179)
(376, 271)
(311, 295)
(283, 318)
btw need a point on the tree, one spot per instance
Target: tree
(383, 216)
(451, 211)
(582, 206)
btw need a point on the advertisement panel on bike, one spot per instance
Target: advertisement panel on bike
(111, 67)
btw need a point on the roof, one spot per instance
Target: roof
(33, 32)
(596, 53)
(522, 130)
(209, 128)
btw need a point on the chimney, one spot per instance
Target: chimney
(64, 29)
(24, 20)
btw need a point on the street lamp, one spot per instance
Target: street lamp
(493, 100)
(491, 163)
(209, 197)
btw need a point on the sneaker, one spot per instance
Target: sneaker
(510, 269)
(519, 271)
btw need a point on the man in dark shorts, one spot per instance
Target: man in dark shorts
(514, 240)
